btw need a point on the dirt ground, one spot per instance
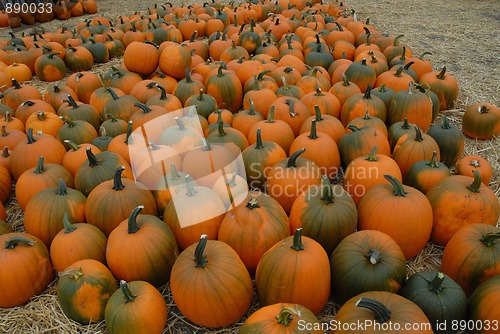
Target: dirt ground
(463, 36)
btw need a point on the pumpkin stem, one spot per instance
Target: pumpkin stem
(219, 71)
(373, 256)
(41, 116)
(396, 40)
(482, 109)
(270, 116)
(253, 203)
(68, 227)
(112, 93)
(258, 144)
(68, 121)
(489, 238)
(408, 65)
(372, 156)
(18, 240)
(91, 157)
(318, 116)
(297, 240)
(433, 162)
(40, 167)
(446, 123)
(180, 123)
(62, 189)
(73, 274)
(476, 184)
(72, 145)
(5, 152)
(368, 92)
(410, 87)
(200, 257)
(418, 132)
(353, 127)
(399, 71)
(399, 189)
(345, 79)
(436, 285)
(313, 133)
(117, 179)
(145, 108)
(251, 109)
(441, 75)
(132, 220)
(16, 84)
(261, 75)
(190, 191)
(381, 313)
(129, 296)
(3, 131)
(206, 145)
(406, 124)
(129, 133)
(220, 129)
(30, 137)
(421, 57)
(327, 191)
(285, 316)
(367, 115)
(292, 160)
(291, 106)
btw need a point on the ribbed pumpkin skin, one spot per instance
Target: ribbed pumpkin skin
(222, 289)
(146, 314)
(353, 271)
(483, 305)
(450, 139)
(44, 213)
(25, 271)
(469, 259)
(83, 290)
(454, 206)
(444, 85)
(254, 226)
(265, 320)
(413, 105)
(325, 216)
(147, 254)
(481, 121)
(439, 297)
(424, 175)
(227, 90)
(294, 276)
(403, 313)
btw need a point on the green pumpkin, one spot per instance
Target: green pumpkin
(77, 131)
(205, 104)
(99, 51)
(80, 111)
(83, 291)
(450, 140)
(385, 94)
(440, 297)
(398, 130)
(5, 228)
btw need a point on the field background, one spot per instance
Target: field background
(462, 35)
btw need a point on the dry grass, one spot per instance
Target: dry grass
(462, 36)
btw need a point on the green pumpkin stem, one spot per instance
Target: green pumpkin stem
(285, 316)
(353, 127)
(345, 79)
(381, 313)
(91, 157)
(180, 123)
(433, 163)
(270, 116)
(261, 75)
(482, 109)
(219, 71)
(297, 240)
(418, 132)
(220, 129)
(406, 124)
(446, 123)
(408, 65)
(372, 156)
(368, 93)
(373, 256)
(396, 40)
(313, 134)
(253, 203)
(129, 133)
(318, 115)
(436, 285)
(441, 75)
(382, 89)
(489, 238)
(129, 296)
(292, 160)
(112, 93)
(367, 115)
(68, 121)
(475, 186)
(40, 167)
(251, 109)
(62, 188)
(68, 227)
(174, 174)
(132, 220)
(421, 57)
(200, 258)
(30, 137)
(190, 191)
(74, 274)
(327, 190)
(399, 189)
(145, 109)
(258, 144)
(18, 240)
(399, 71)
(117, 179)
(111, 118)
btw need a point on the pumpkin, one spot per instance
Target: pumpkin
(111, 201)
(281, 317)
(253, 226)
(50, 68)
(425, 174)
(141, 58)
(77, 242)
(187, 87)
(48, 123)
(365, 172)
(181, 138)
(444, 85)
(20, 283)
(83, 290)
(99, 168)
(230, 188)
(411, 149)
(10, 138)
(114, 126)
(5, 228)
(291, 177)
(468, 163)
(328, 103)
(78, 58)
(458, 201)
(471, 255)
(381, 309)
(299, 261)
(481, 121)
(483, 306)
(385, 94)
(361, 74)
(440, 298)
(142, 247)
(360, 142)
(227, 90)
(78, 131)
(84, 84)
(450, 141)
(245, 119)
(80, 111)
(29, 107)
(231, 138)
(398, 130)
(325, 123)
(168, 101)
(174, 59)
(17, 94)
(191, 279)
(136, 307)
(344, 89)
(124, 80)
(412, 105)
(325, 213)
(120, 106)
(271, 130)
(5, 183)
(416, 212)
(366, 261)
